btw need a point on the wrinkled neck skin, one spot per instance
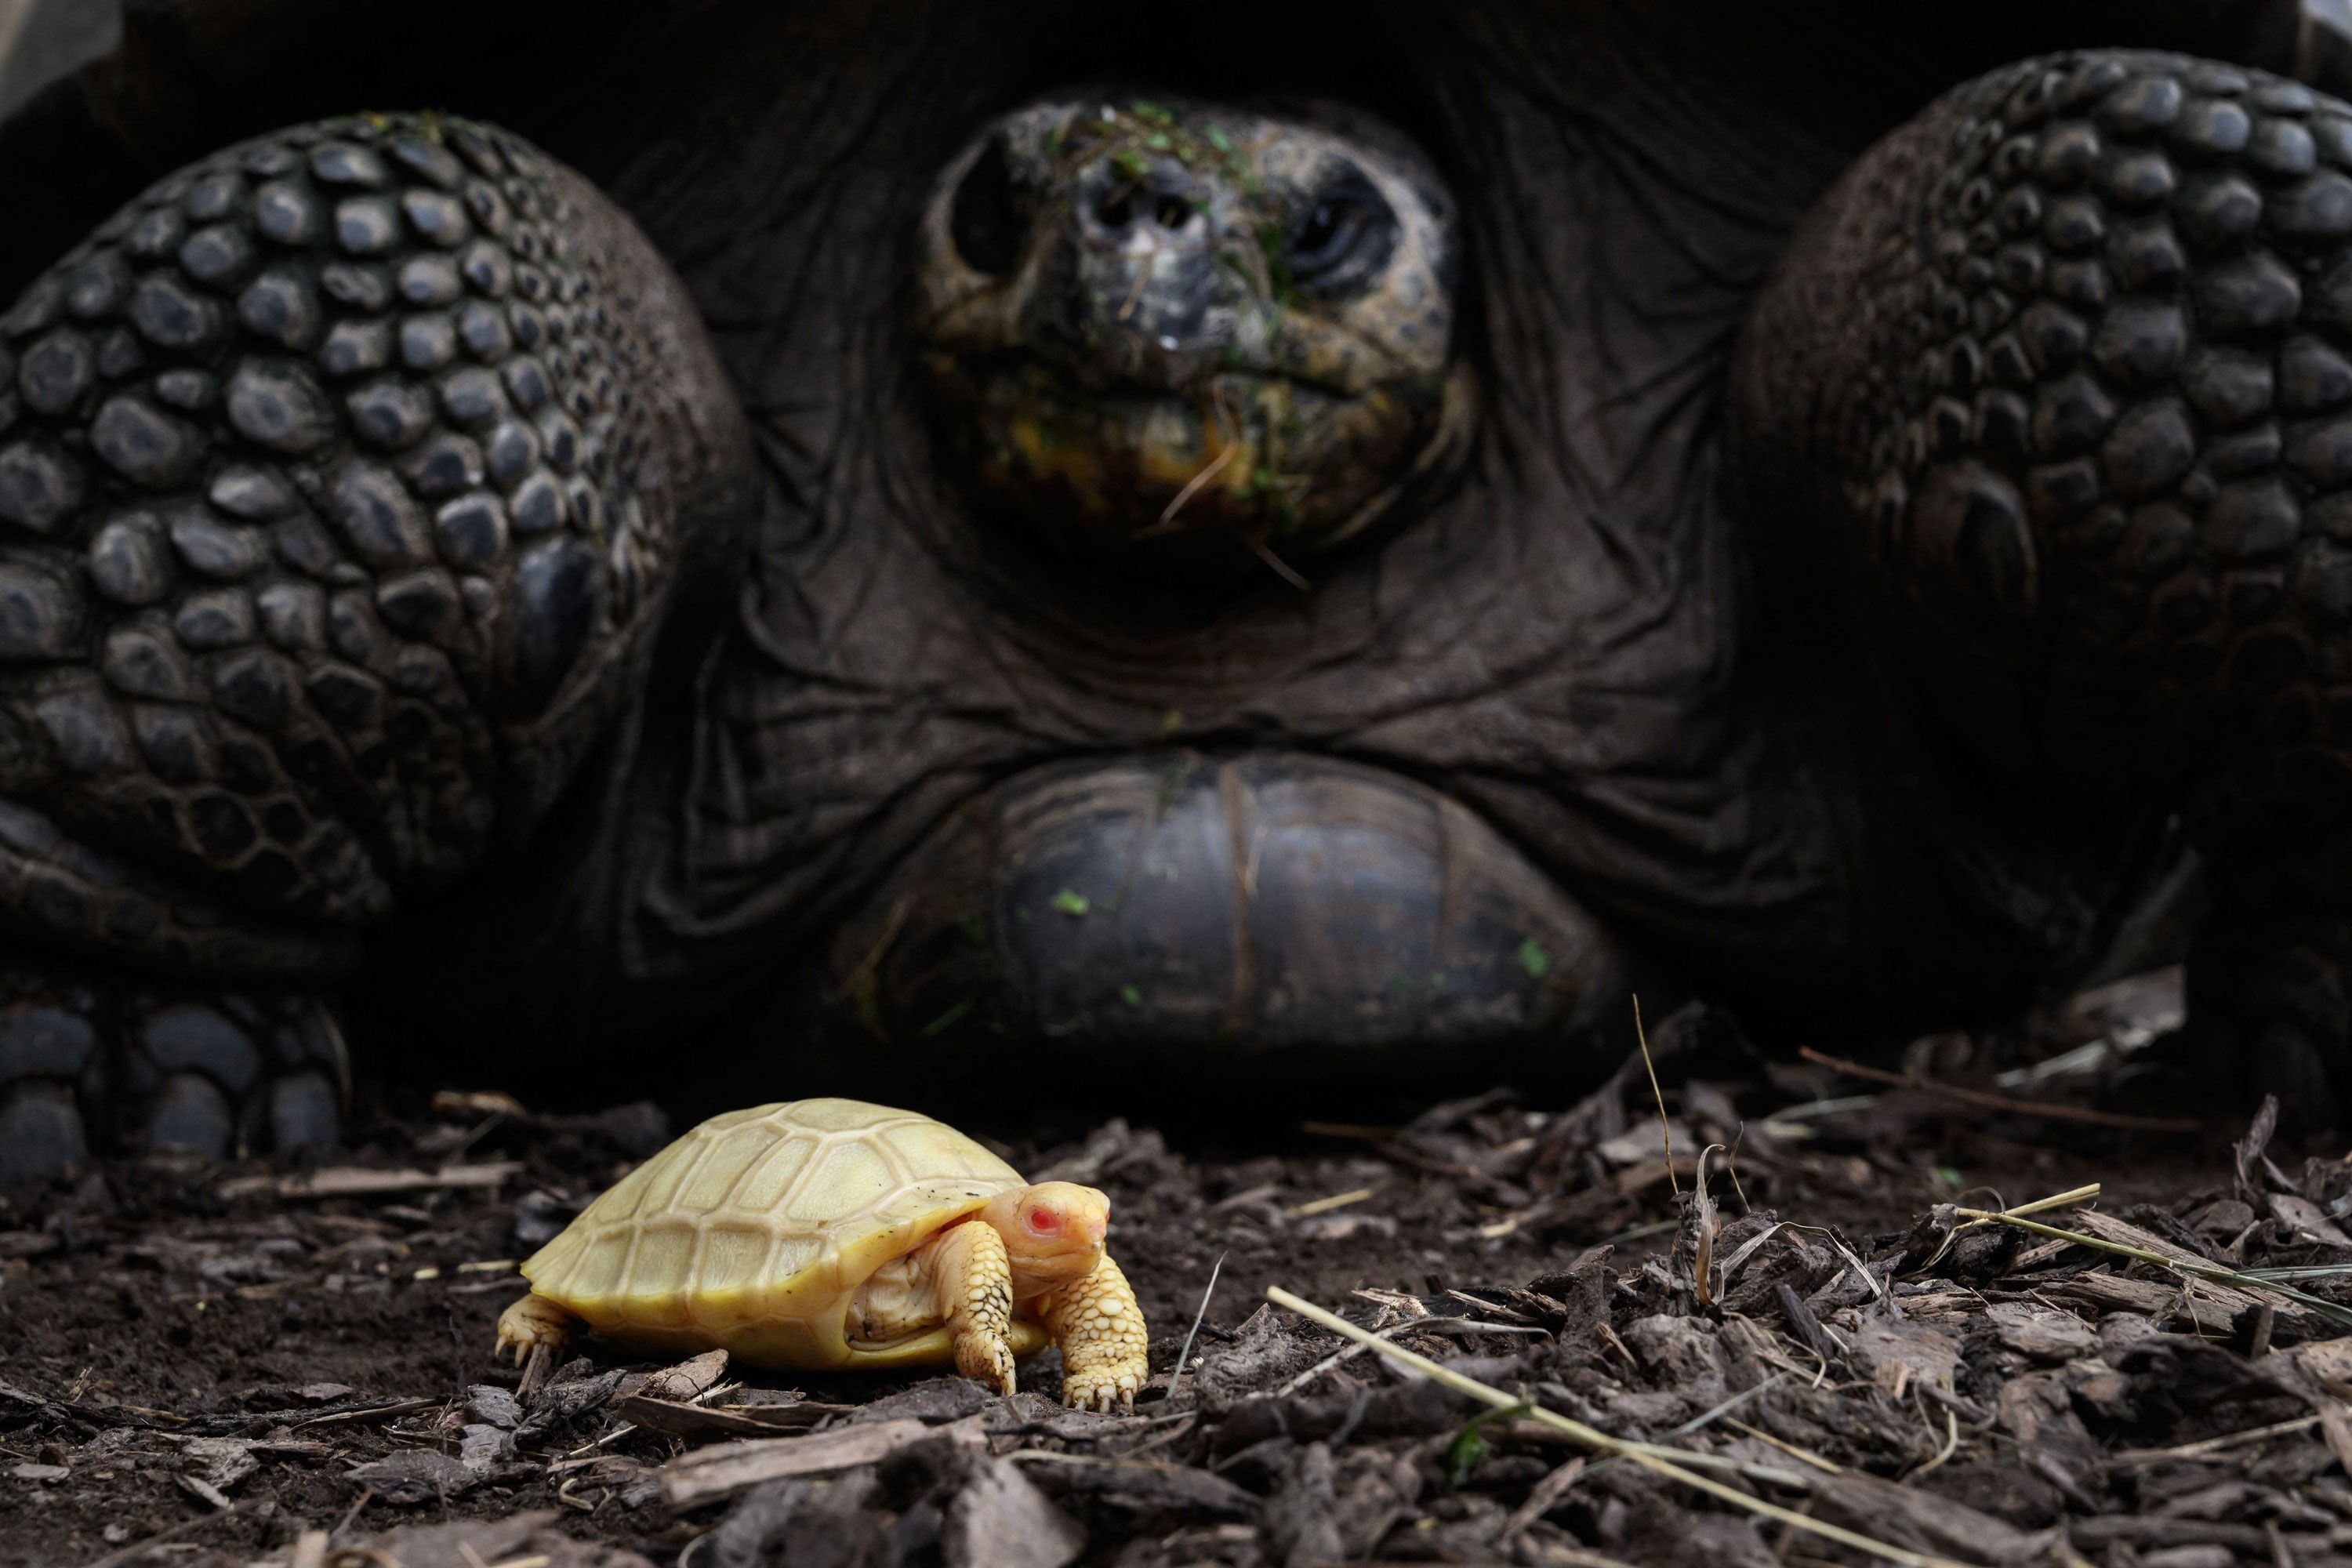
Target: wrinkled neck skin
(1553, 644)
(1566, 658)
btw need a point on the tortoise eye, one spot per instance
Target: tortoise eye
(1343, 239)
(985, 220)
(1044, 1222)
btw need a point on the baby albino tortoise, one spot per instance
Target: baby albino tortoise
(822, 1233)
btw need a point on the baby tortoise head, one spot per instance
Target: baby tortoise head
(1189, 332)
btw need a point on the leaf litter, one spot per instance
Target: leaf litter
(1755, 1314)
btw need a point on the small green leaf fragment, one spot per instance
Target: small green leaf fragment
(1468, 1449)
(1534, 959)
(975, 927)
(1130, 995)
(1219, 139)
(1071, 902)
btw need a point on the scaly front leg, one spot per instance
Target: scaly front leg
(975, 1285)
(1104, 1350)
(2057, 380)
(344, 480)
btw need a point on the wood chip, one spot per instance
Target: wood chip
(2335, 1426)
(1002, 1519)
(2045, 1333)
(1138, 1484)
(716, 1472)
(2308, 1219)
(197, 1486)
(1540, 1497)
(685, 1380)
(2328, 1361)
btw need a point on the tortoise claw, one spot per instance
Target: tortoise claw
(1105, 1395)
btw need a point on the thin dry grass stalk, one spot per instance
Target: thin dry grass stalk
(2215, 1273)
(1666, 1130)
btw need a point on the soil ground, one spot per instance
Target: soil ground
(206, 1365)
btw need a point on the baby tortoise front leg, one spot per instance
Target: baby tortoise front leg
(1104, 1346)
(975, 1275)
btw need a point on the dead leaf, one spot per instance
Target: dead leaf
(709, 1473)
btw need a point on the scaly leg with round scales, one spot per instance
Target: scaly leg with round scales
(1101, 1332)
(2058, 379)
(344, 477)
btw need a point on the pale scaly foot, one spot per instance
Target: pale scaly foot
(530, 1323)
(1104, 1350)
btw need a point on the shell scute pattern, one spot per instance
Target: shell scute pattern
(773, 1215)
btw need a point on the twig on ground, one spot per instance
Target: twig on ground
(1951, 1445)
(1185, 1355)
(2227, 1440)
(1410, 1325)
(1336, 1201)
(1794, 1452)
(1991, 1101)
(1708, 1418)
(356, 1181)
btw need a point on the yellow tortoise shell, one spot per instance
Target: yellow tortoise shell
(753, 1231)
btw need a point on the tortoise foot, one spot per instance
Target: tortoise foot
(89, 1070)
(2270, 1010)
(532, 1324)
(987, 1361)
(1104, 1391)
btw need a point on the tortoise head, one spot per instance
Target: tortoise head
(1191, 332)
(1053, 1232)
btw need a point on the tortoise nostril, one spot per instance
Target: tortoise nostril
(1120, 208)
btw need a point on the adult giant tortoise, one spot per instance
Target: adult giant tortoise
(1315, 542)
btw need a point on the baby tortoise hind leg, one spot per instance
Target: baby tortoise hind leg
(531, 1322)
(1101, 1330)
(536, 1330)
